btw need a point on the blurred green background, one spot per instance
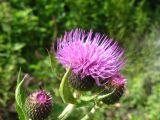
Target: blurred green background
(28, 29)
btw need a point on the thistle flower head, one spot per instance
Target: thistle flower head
(38, 105)
(118, 82)
(90, 54)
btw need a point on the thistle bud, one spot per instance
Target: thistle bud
(117, 82)
(38, 105)
(82, 84)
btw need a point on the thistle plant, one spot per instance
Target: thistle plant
(92, 61)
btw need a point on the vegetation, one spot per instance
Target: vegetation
(28, 29)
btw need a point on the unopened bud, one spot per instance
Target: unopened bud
(38, 105)
(118, 83)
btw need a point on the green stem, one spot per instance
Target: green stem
(91, 113)
(100, 97)
(66, 112)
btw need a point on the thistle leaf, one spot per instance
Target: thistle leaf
(20, 97)
(64, 89)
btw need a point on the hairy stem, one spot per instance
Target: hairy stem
(66, 112)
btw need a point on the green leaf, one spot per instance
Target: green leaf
(64, 89)
(20, 96)
(21, 113)
(52, 60)
(19, 77)
(6, 27)
(18, 46)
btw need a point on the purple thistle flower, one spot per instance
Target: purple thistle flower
(90, 54)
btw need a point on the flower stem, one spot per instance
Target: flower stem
(90, 114)
(66, 112)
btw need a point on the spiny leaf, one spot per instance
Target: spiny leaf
(64, 89)
(20, 112)
(20, 96)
